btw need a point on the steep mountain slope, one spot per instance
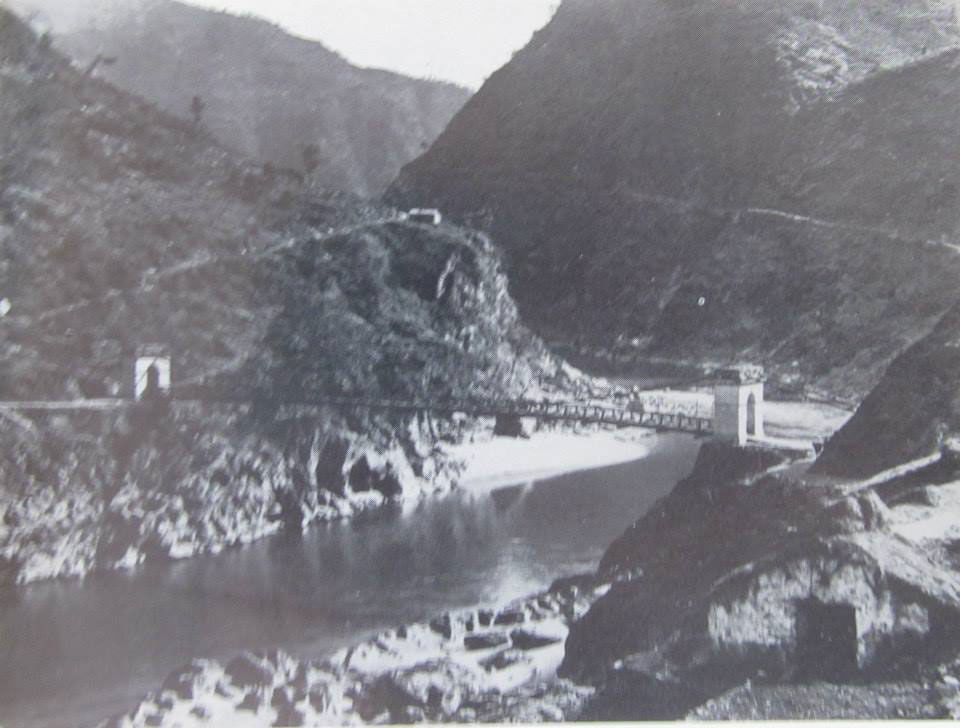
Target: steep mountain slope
(913, 409)
(122, 226)
(269, 94)
(719, 180)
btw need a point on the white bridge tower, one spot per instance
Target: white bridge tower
(738, 404)
(151, 372)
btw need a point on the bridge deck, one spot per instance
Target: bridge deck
(567, 411)
(546, 410)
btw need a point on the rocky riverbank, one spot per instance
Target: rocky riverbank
(112, 490)
(491, 665)
(813, 599)
(671, 624)
(500, 662)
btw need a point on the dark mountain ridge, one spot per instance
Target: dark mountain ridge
(714, 181)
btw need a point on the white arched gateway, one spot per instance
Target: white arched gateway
(151, 372)
(738, 405)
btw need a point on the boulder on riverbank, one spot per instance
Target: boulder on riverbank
(771, 577)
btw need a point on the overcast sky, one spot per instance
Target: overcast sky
(457, 40)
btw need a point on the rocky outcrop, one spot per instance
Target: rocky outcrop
(724, 581)
(714, 181)
(913, 410)
(114, 490)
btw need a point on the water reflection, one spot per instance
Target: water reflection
(74, 652)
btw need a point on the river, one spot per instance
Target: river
(74, 652)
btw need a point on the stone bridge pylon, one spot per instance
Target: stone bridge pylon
(738, 405)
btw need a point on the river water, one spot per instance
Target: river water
(75, 652)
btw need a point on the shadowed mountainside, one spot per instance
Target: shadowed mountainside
(913, 409)
(714, 180)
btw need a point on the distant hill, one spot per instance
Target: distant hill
(269, 94)
(714, 180)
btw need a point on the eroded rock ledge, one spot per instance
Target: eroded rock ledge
(102, 491)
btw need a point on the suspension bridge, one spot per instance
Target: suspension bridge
(736, 413)
(547, 410)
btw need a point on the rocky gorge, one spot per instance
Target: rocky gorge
(791, 232)
(669, 625)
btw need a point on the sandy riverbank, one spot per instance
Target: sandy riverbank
(492, 462)
(803, 420)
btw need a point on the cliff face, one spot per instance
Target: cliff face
(717, 180)
(269, 94)
(102, 490)
(122, 226)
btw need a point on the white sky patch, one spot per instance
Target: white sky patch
(458, 40)
(463, 41)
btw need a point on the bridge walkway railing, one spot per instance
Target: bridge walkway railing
(548, 410)
(587, 413)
